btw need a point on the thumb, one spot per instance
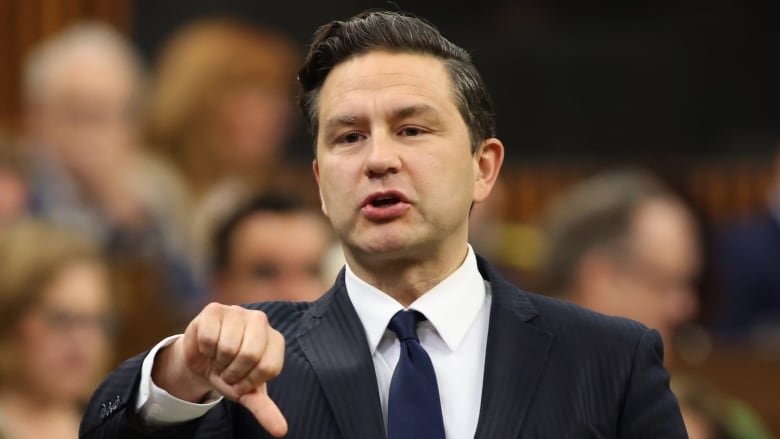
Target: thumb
(265, 411)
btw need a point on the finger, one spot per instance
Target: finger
(222, 387)
(252, 349)
(265, 411)
(193, 358)
(269, 365)
(230, 338)
(209, 325)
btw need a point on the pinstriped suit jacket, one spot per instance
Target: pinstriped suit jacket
(552, 370)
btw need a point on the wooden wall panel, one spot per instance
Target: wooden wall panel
(25, 23)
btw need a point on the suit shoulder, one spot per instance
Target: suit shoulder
(562, 317)
(565, 320)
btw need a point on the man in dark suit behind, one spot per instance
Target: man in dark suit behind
(405, 144)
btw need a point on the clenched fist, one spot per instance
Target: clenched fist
(229, 349)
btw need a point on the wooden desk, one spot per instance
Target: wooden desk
(750, 376)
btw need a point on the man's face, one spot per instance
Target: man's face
(657, 278)
(394, 166)
(275, 256)
(87, 115)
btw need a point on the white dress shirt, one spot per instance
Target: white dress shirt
(454, 335)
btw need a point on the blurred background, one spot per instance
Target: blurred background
(163, 133)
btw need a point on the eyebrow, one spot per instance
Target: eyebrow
(413, 110)
(342, 120)
(397, 114)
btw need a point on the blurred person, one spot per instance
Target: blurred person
(55, 324)
(83, 93)
(221, 112)
(623, 244)
(272, 248)
(13, 187)
(749, 278)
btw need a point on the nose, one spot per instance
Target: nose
(381, 157)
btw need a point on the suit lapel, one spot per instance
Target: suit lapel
(335, 344)
(514, 361)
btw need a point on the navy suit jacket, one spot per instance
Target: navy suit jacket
(552, 370)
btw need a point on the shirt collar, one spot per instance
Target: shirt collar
(451, 306)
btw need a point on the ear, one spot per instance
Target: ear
(487, 164)
(315, 167)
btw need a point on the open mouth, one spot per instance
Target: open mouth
(385, 206)
(385, 201)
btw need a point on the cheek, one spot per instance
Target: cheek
(38, 352)
(33, 337)
(334, 190)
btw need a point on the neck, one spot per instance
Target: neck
(406, 279)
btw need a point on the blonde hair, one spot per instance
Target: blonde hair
(202, 62)
(32, 253)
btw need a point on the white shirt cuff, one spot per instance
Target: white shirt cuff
(157, 407)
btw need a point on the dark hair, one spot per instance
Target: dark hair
(597, 213)
(338, 41)
(271, 203)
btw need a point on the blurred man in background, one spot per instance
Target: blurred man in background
(271, 248)
(83, 91)
(623, 244)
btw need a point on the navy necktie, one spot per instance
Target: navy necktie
(414, 408)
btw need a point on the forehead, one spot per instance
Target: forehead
(81, 285)
(380, 78)
(663, 231)
(271, 231)
(93, 75)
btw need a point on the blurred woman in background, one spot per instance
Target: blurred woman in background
(55, 324)
(221, 112)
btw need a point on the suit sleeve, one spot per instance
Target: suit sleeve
(650, 409)
(111, 412)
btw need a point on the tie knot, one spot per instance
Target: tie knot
(404, 324)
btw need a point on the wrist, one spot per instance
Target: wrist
(170, 373)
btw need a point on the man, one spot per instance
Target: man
(622, 244)
(404, 145)
(271, 248)
(82, 96)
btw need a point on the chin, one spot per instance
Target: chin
(383, 245)
(388, 250)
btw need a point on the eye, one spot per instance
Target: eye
(263, 271)
(351, 137)
(412, 131)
